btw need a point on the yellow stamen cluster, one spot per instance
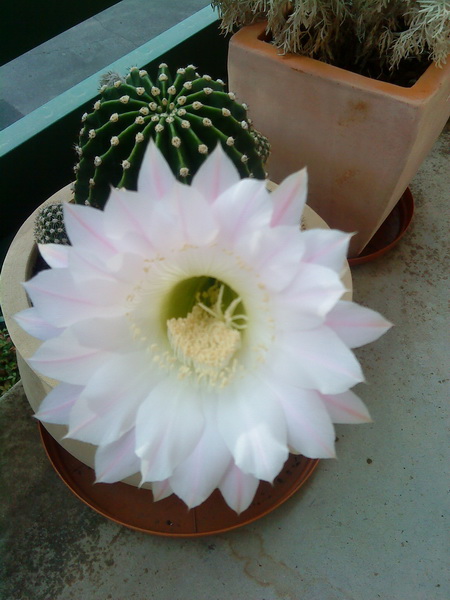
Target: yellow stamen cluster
(204, 344)
(206, 341)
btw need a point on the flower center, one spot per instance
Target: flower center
(206, 340)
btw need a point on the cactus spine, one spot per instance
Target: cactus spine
(186, 117)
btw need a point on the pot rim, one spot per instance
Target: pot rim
(428, 83)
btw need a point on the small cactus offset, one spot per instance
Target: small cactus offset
(262, 144)
(185, 116)
(49, 225)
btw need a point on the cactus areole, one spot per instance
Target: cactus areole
(186, 116)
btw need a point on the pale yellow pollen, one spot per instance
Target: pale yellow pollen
(202, 346)
(203, 342)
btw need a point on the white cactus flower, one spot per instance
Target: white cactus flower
(198, 334)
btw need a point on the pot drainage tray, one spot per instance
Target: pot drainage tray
(134, 507)
(390, 232)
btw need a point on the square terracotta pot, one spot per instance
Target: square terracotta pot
(362, 139)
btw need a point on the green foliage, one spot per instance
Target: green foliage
(186, 116)
(49, 225)
(9, 373)
(353, 34)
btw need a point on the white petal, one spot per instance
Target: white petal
(32, 323)
(326, 247)
(160, 227)
(243, 208)
(346, 408)
(64, 359)
(61, 302)
(252, 425)
(275, 254)
(216, 174)
(238, 488)
(168, 427)
(55, 255)
(310, 431)
(128, 270)
(155, 177)
(161, 490)
(114, 398)
(85, 266)
(112, 334)
(289, 199)
(313, 292)
(57, 405)
(117, 461)
(194, 262)
(194, 223)
(83, 419)
(316, 359)
(201, 472)
(355, 324)
(85, 227)
(125, 216)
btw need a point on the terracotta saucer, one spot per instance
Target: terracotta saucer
(134, 507)
(390, 232)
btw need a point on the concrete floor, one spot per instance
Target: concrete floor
(60, 63)
(369, 525)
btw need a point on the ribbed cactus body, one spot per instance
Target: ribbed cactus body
(49, 225)
(186, 117)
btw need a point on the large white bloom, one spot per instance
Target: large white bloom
(198, 335)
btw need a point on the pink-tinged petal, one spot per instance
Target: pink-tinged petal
(216, 174)
(310, 430)
(82, 419)
(326, 247)
(64, 359)
(61, 302)
(122, 270)
(161, 490)
(129, 268)
(32, 323)
(315, 359)
(346, 408)
(194, 223)
(85, 266)
(137, 244)
(243, 208)
(155, 177)
(200, 473)
(126, 216)
(55, 255)
(289, 199)
(85, 228)
(253, 427)
(114, 398)
(117, 460)
(160, 228)
(114, 335)
(314, 291)
(275, 254)
(169, 425)
(238, 488)
(355, 324)
(57, 405)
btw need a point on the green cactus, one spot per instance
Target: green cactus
(186, 117)
(49, 225)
